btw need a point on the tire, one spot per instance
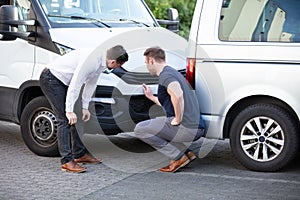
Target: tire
(39, 127)
(269, 148)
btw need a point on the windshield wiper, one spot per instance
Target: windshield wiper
(94, 21)
(135, 21)
(91, 19)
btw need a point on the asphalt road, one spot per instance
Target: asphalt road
(129, 171)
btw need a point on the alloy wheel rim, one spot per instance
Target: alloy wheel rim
(262, 139)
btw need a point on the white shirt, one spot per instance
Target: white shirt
(75, 69)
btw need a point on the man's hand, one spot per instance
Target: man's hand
(175, 122)
(148, 93)
(86, 115)
(72, 117)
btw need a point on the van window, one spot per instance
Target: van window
(260, 21)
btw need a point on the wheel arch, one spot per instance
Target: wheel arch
(27, 92)
(240, 105)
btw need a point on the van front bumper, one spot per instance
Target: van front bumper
(113, 114)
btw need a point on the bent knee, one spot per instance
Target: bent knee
(141, 128)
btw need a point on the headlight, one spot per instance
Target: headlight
(63, 49)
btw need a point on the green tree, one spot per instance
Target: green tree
(185, 9)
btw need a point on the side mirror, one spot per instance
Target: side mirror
(9, 23)
(173, 17)
(8, 13)
(173, 14)
(172, 23)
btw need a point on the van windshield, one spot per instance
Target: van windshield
(102, 13)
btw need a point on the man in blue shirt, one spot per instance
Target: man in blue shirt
(182, 123)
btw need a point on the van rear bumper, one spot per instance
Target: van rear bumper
(214, 125)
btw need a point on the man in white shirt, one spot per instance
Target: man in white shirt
(61, 83)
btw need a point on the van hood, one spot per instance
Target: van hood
(134, 40)
(84, 37)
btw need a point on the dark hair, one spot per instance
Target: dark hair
(157, 53)
(117, 53)
(122, 59)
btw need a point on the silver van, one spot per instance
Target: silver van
(244, 64)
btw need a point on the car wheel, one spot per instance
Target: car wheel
(264, 137)
(39, 127)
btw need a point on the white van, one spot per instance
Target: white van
(244, 64)
(35, 32)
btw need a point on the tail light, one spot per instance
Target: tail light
(190, 72)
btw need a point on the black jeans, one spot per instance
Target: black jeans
(69, 143)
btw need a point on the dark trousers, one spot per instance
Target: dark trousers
(70, 145)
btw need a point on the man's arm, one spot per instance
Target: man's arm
(148, 93)
(176, 94)
(85, 68)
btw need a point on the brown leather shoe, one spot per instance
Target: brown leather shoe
(87, 159)
(191, 155)
(176, 164)
(72, 167)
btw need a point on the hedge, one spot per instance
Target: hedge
(185, 9)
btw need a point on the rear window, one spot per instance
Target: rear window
(260, 21)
